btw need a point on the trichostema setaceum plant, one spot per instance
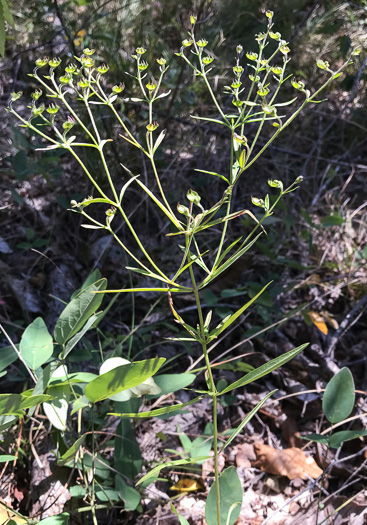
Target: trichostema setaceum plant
(254, 100)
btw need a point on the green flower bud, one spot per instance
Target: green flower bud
(152, 127)
(73, 203)
(237, 103)
(193, 196)
(202, 43)
(83, 83)
(251, 56)
(36, 94)
(356, 52)
(151, 86)
(254, 79)
(236, 85)
(193, 19)
(15, 96)
(269, 110)
(186, 43)
(54, 62)
(323, 64)
(161, 61)
(66, 79)
(276, 70)
(299, 179)
(263, 61)
(260, 36)
(40, 62)
(298, 85)
(239, 49)
(275, 36)
(38, 111)
(87, 62)
(257, 202)
(238, 70)
(241, 139)
(269, 14)
(68, 124)
(88, 52)
(208, 60)
(118, 89)
(140, 50)
(53, 109)
(183, 210)
(275, 184)
(262, 91)
(143, 66)
(284, 49)
(70, 69)
(102, 69)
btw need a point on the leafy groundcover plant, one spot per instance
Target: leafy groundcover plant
(68, 399)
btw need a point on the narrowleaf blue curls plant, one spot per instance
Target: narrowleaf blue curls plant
(255, 101)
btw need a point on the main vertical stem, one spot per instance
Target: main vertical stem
(213, 390)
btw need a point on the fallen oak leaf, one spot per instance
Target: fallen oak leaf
(290, 462)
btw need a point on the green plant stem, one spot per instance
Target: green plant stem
(225, 226)
(213, 390)
(93, 496)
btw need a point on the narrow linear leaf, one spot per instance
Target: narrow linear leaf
(174, 463)
(122, 378)
(157, 411)
(246, 420)
(78, 311)
(265, 369)
(71, 453)
(227, 322)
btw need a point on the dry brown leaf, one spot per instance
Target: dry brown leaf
(245, 455)
(208, 465)
(188, 485)
(291, 462)
(318, 321)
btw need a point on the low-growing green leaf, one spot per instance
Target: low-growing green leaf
(158, 411)
(6, 457)
(230, 497)
(169, 383)
(174, 463)
(78, 311)
(228, 321)
(7, 356)
(122, 378)
(182, 520)
(36, 344)
(60, 519)
(265, 369)
(246, 420)
(70, 454)
(77, 337)
(338, 438)
(317, 438)
(339, 397)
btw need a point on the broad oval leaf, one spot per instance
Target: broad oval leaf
(230, 498)
(36, 345)
(59, 519)
(78, 311)
(122, 378)
(338, 438)
(339, 397)
(57, 413)
(172, 382)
